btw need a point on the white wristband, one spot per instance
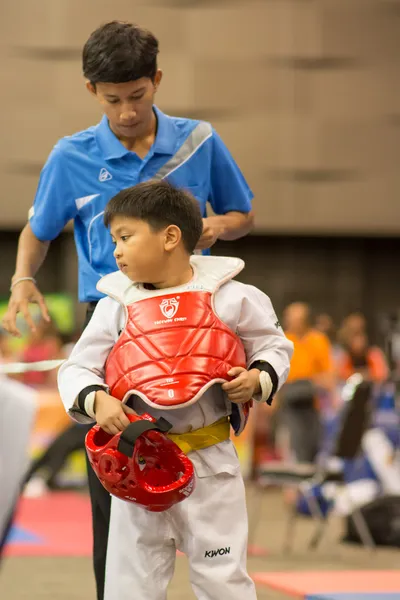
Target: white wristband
(266, 387)
(14, 283)
(89, 404)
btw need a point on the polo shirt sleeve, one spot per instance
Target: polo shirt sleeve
(229, 190)
(54, 203)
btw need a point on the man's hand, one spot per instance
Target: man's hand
(230, 226)
(244, 386)
(211, 232)
(24, 293)
(111, 413)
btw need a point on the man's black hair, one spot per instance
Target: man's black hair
(159, 204)
(119, 52)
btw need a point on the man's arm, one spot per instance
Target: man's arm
(231, 226)
(30, 256)
(229, 196)
(53, 207)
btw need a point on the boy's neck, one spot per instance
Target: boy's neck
(173, 279)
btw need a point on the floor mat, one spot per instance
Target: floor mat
(363, 596)
(57, 524)
(305, 584)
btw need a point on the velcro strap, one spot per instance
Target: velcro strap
(129, 436)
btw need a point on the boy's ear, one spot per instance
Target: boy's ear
(173, 236)
(91, 88)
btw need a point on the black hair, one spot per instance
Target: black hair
(119, 52)
(159, 204)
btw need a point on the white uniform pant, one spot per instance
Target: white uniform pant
(210, 527)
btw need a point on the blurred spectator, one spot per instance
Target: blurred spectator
(312, 369)
(44, 343)
(325, 324)
(312, 349)
(359, 357)
(352, 324)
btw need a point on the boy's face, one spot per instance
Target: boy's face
(128, 106)
(140, 251)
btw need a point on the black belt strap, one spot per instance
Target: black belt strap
(129, 436)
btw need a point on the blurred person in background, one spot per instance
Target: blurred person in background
(298, 427)
(358, 356)
(134, 142)
(354, 323)
(44, 343)
(325, 324)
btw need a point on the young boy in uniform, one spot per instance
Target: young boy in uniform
(161, 286)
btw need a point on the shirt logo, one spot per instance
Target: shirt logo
(104, 175)
(169, 307)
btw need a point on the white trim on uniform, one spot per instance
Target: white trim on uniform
(81, 202)
(200, 134)
(89, 231)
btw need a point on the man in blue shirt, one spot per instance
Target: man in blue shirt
(133, 142)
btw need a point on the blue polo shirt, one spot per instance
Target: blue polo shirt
(85, 170)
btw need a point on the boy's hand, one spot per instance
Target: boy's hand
(244, 386)
(111, 413)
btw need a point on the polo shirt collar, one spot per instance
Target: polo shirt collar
(112, 148)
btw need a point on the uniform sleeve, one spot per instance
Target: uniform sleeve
(85, 365)
(261, 334)
(54, 203)
(229, 189)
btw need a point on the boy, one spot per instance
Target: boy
(155, 229)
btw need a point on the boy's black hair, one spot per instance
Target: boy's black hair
(159, 204)
(118, 52)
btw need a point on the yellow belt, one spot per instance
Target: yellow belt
(202, 438)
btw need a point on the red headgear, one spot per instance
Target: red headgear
(141, 464)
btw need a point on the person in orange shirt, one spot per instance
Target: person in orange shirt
(312, 370)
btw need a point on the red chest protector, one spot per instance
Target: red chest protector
(173, 348)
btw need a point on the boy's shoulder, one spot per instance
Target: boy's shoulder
(238, 291)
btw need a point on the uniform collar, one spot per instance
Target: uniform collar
(165, 142)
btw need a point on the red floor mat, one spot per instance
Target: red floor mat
(303, 584)
(57, 524)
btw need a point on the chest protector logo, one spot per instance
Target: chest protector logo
(170, 359)
(169, 307)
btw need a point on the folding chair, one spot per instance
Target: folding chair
(355, 420)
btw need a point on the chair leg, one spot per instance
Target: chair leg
(317, 515)
(363, 529)
(360, 523)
